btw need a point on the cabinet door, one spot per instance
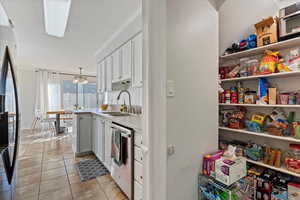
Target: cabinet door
(109, 67)
(99, 77)
(108, 138)
(116, 70)
(137, 61)
(126, 61)
(94, 135)
(85, 133)
(101, 140)
(103, 76)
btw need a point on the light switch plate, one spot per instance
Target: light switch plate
(170, 88)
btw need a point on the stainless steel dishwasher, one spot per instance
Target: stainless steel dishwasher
(122, 158)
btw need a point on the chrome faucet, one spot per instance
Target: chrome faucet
(129, 96)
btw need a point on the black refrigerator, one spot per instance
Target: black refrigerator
(9, 116)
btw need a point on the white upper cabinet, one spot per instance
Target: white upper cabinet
(126, 61)
(116, 70)
(137, 61)
(103, 76)
(109, 66)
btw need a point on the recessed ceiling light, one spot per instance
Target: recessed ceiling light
(56, 14)
(4, 21)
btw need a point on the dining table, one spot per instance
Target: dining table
(58, 113)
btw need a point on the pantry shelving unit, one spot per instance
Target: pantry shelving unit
(261, 105)
(260, 50)
(274, 75)
(266, 135)
(288, 44)
(281, 169)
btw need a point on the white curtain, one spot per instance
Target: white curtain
(48, 92)
(41, 105)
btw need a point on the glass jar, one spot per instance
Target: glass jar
(253, 67)
(292, 158)
(244, 67)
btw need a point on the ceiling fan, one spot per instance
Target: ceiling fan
(80, 78)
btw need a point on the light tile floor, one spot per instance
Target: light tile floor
(45, 171)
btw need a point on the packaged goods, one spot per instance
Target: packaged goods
(292, 158)
(227, 96)
(292, 100)
(284, 98)
(254, 152)
(209, 160)
(236, 120)
(296, 129)
(253, 126)
(272, 96)
(263, 86)
(229, 171)
(269, 62)
(294, 61)
(233, 95)
(250, 97)
(253, 67)
(259, 118)
(235, 71)
(282, 67)
(267, 31)
(294, 191)
(244, 67)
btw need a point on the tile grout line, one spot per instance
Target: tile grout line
(68, 177)
(41, 171)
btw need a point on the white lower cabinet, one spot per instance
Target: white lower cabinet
(138, 191)
(138, 172)
(82, 134)
(138, 154)
(108, 138)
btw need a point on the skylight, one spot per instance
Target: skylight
(56, 14)
(4, 21)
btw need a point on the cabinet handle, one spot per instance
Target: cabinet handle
(141, 177)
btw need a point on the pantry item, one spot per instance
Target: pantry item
(258, 118)
(264, 185)
(292, 98)
(227, 96)
(272, 96)
(236, 120)
(294, 60)
(282, 67)
(250, 97)
(244, 67)
(209, 160)
(254, 152)
(292, 158)
(222, 97)
(241, 93)
(294, 191)
(284, 98)
(267, 31)
(289, 22)
(263, 86)
(253, 126)
(269, 62)
(235, 71)
(233, 95)
(229, 171)
(252, 41)
(296, 129)
(253, 67)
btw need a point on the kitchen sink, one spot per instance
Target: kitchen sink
(116, 114)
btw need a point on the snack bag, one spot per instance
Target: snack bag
(269, 62)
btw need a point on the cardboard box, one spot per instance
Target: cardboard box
(294, 191)
(267, 31)
(272, 96)
(229, 171)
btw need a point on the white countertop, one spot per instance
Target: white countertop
(132, 121)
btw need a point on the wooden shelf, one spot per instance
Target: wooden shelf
(295, 42)
(274, 75)
(266, 135)
(261, 105)
(283, 170)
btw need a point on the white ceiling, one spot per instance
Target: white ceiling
(91, 23)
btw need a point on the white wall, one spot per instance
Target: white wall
(7, 38)
(27, 89)
(192, 115)
(237, 19)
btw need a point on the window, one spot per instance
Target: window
(54, 96)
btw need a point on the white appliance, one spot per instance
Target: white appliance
(122, 158)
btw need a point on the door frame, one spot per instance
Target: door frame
(154, 101)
